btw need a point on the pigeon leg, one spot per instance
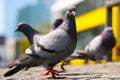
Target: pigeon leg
(56, 71)
(108, 58)
(53, 73)
(98, 61)
(86, 61)
(62, 66)
(47, 72)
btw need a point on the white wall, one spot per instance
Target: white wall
(10, 49)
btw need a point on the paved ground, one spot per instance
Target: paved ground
(107, 71)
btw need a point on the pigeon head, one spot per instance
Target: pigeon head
(57, 23)
(107, 31)
(27, 30)
(108, 39)
(23, 27)
(69, 20)
(70, 17)
(71, 11)
(69, 24)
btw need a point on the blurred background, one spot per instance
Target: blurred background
(90, 20)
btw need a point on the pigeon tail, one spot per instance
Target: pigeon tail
(25, 61)
(83, 55)
(13, 70)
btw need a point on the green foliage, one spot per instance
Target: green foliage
(23, 44)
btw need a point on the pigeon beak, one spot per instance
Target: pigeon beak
(73, 12)
(16, 30)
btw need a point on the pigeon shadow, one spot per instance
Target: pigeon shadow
(76, 74)
(114, 78)
(83, 75)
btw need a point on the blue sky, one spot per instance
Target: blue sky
(1, 17)
(8, 13)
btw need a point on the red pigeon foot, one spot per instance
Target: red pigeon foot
(54, 74)
(47, 72)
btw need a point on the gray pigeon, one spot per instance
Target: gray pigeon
(98, 48)
(101, 46)
(51, 48)
(33, 35)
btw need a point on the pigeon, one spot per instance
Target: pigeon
(52, 48)
(101, 46)
(33, 35)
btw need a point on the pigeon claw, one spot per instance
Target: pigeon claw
(54, 74)
(47, 72)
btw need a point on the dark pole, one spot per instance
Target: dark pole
(109, 4)
(109, 16)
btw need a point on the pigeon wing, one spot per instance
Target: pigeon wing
(52, 43)
(94, 44)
